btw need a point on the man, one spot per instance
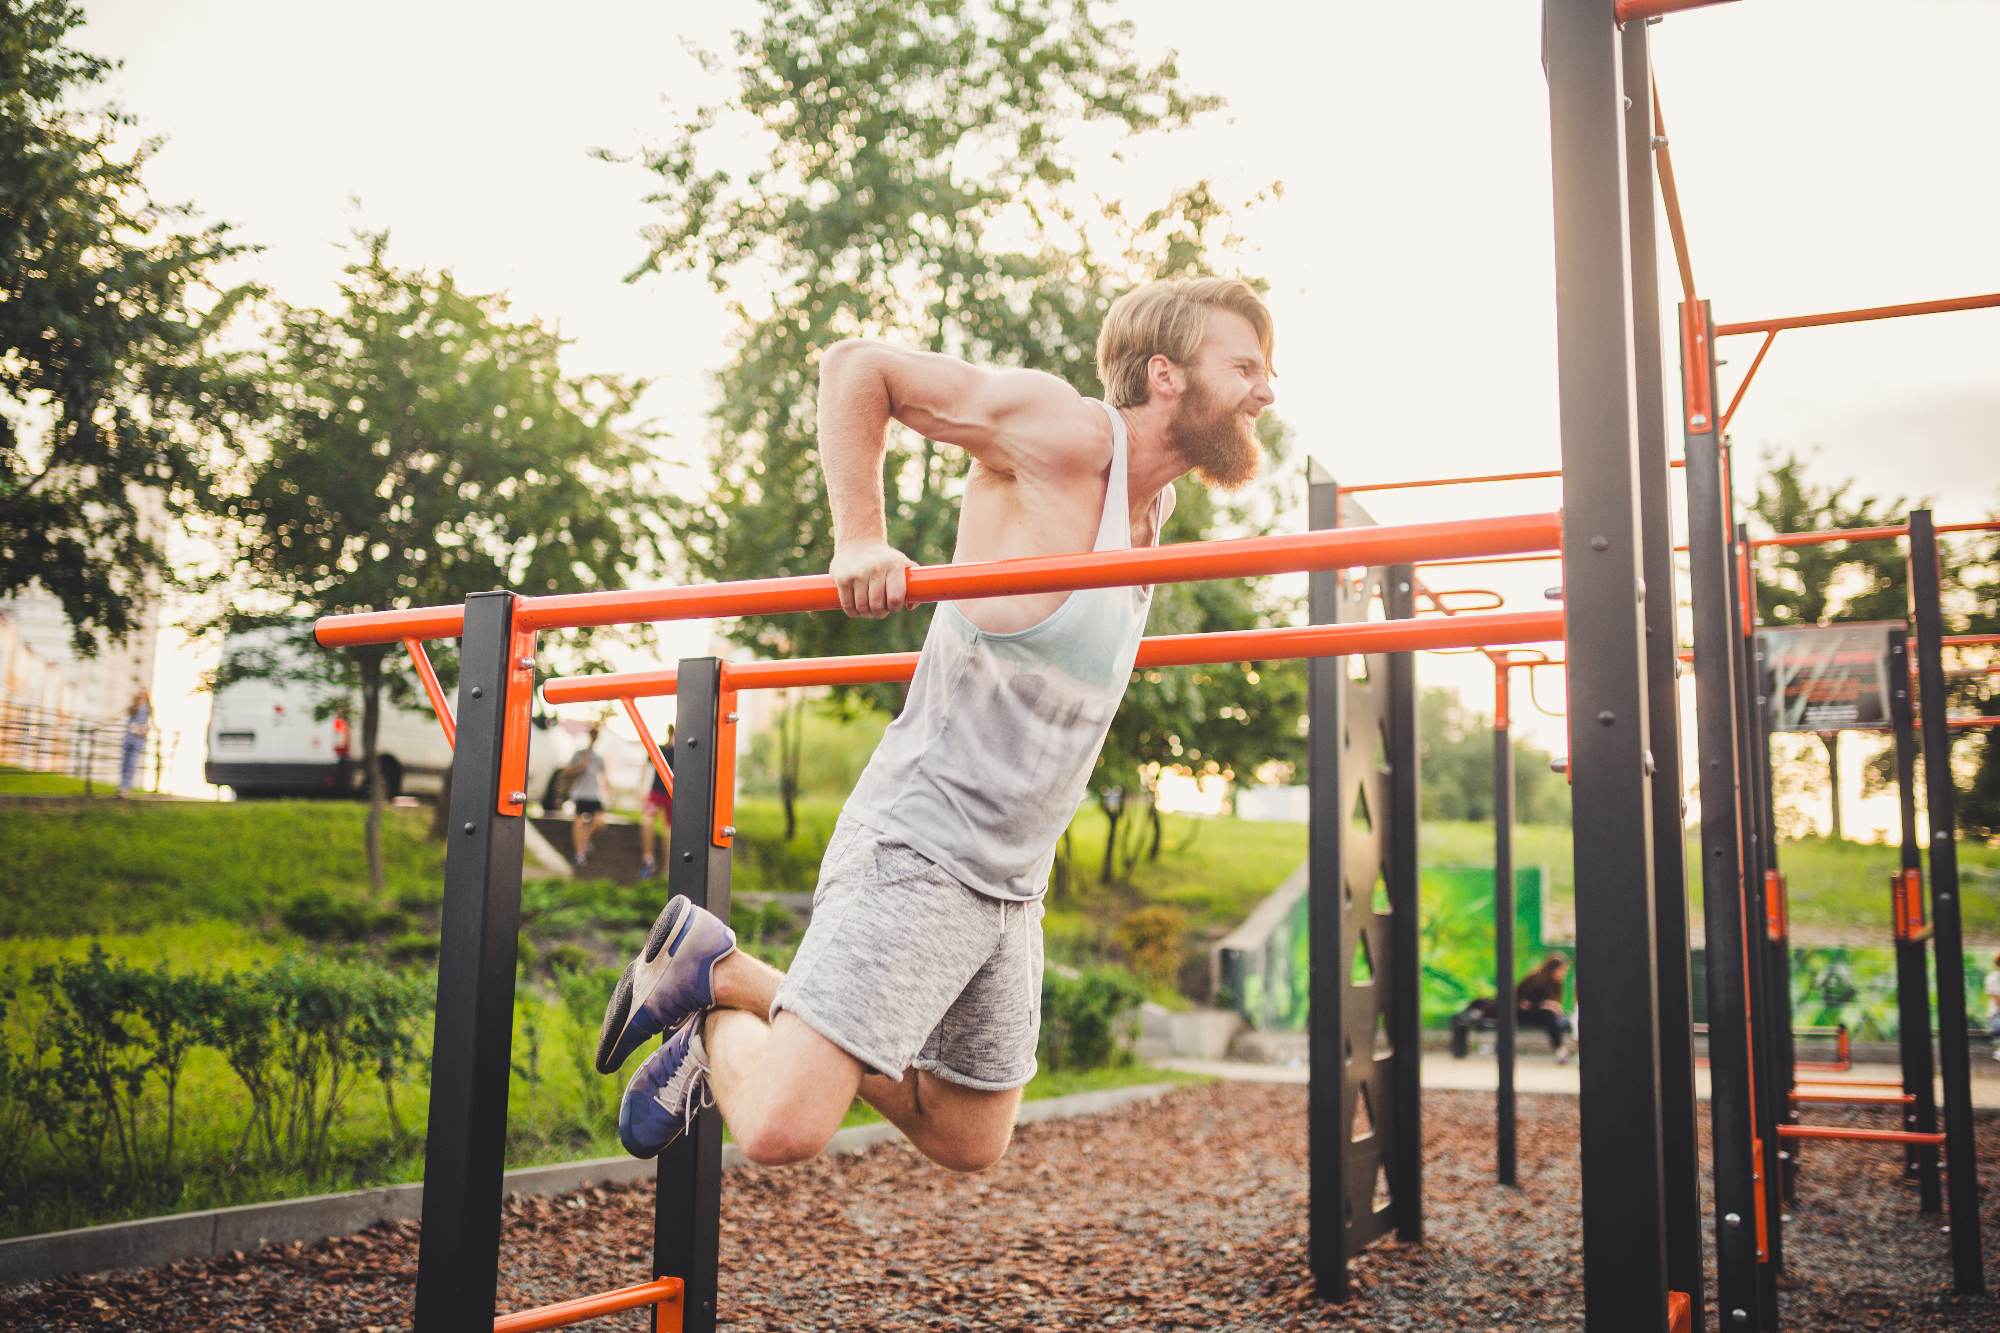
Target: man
(587, 794)
(918, 984)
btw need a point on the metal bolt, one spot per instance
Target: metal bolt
(1652, 19)
(478, 692)
(1740, 1316)
(1554, 594)
(527, 664)
(692, 742)
(1642, 590)
(1402, 587)
(729, 717)
(1733, 1220)
(1647, 755)
(729, 830)
(687, 856)
(1697, 419)
(1659, 142)
(468, 828)
(1606, 718)
(517, 798)
(1627, 101)
(1600, 543)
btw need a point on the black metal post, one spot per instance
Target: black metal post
(687, 1208)
(1954, 1051)
(1913, 990)
(1327, 1134)
(1772, 1101)
(1402, 854)
(1680, 1139)
(1624, 1223)
(458, 1257)
(1778, 947)
(1711, 583)
(1504, 1026)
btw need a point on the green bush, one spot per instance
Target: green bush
(1088, 1020)
(318, 915)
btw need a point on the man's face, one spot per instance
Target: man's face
(1214, 426)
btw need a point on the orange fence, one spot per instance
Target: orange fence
(662, 1293)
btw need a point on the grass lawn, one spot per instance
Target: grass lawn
(115, 867)
(28, 782)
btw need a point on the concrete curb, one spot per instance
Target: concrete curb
(156, 1241)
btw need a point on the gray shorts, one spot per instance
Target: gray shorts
(904, 966)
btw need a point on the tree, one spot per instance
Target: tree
(423, 446)
(1455, 744)
(107, 385)
(920, 184)
(1819, 584)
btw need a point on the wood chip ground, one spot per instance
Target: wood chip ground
(1183, 1214)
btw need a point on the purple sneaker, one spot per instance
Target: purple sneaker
(672, 977)
(667, 1091)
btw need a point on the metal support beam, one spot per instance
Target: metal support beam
(1722, 851)
(458, 1257)
(687, 1209)
(1403, 855)
(1679, 1130)
(1913, 989)
(1954, 1055)
(1505, 1024)
(1624, 1227)
(1325, 1102)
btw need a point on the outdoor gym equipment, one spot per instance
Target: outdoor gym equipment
(1352, 1172)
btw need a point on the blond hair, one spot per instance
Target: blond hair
(1169, 318)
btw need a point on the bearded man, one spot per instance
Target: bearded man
(918, 984)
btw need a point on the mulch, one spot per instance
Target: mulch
(1183, 1214)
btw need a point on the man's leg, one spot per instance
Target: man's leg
(784, 1088)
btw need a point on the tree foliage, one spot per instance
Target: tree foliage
(108, 387)
(918, 182)
(1456, 749)
(424, 446)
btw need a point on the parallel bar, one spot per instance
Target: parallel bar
(1627, 10)
(1184, 562)
(1264, 645)
(653, 754)
(1680, 1137)
(665, 1291)
(1854, 1098)
(687, 1213)
(1940, 797)
(1858, 1135)
(1710, 579)
(1913, 986)
(1624, 1222)
(1987, 301)
(458, 1257)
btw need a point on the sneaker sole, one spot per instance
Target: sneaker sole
(641, 975)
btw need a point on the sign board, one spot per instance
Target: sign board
(1826, 677)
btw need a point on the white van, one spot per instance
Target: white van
(263, 739)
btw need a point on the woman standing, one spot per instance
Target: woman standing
(138, 723)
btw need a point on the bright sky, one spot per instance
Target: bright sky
(1831, 154)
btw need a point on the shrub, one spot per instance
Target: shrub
(1089, 1020)
(1154, 938)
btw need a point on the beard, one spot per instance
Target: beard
(1214, 439)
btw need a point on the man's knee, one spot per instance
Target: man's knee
(970, 1152)
(782, 1141)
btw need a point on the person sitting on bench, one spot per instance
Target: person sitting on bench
(1538, 1004)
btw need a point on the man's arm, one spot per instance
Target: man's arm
(1009, 420)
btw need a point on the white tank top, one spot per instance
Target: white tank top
(993, 751)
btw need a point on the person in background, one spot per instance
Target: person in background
(659, 810)
(1538, 1002)
(1993, 1007)
(138, 722)
(587, 793)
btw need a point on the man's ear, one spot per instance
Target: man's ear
(1164, 379)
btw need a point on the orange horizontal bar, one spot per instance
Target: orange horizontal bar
(1256, 645)
(1855, 1098)
(1496, 560)
(1853, 1082)
(1184, 562)
(1858, 316)
(1968, 639)
(1857, 1135)
(664, 1292)
(1627, 10)
(1467, 481)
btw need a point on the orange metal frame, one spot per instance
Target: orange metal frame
(1858, 1135)
(664, 1294)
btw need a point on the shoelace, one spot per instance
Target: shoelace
(686, 1084)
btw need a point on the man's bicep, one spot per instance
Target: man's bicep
(1004, 418)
